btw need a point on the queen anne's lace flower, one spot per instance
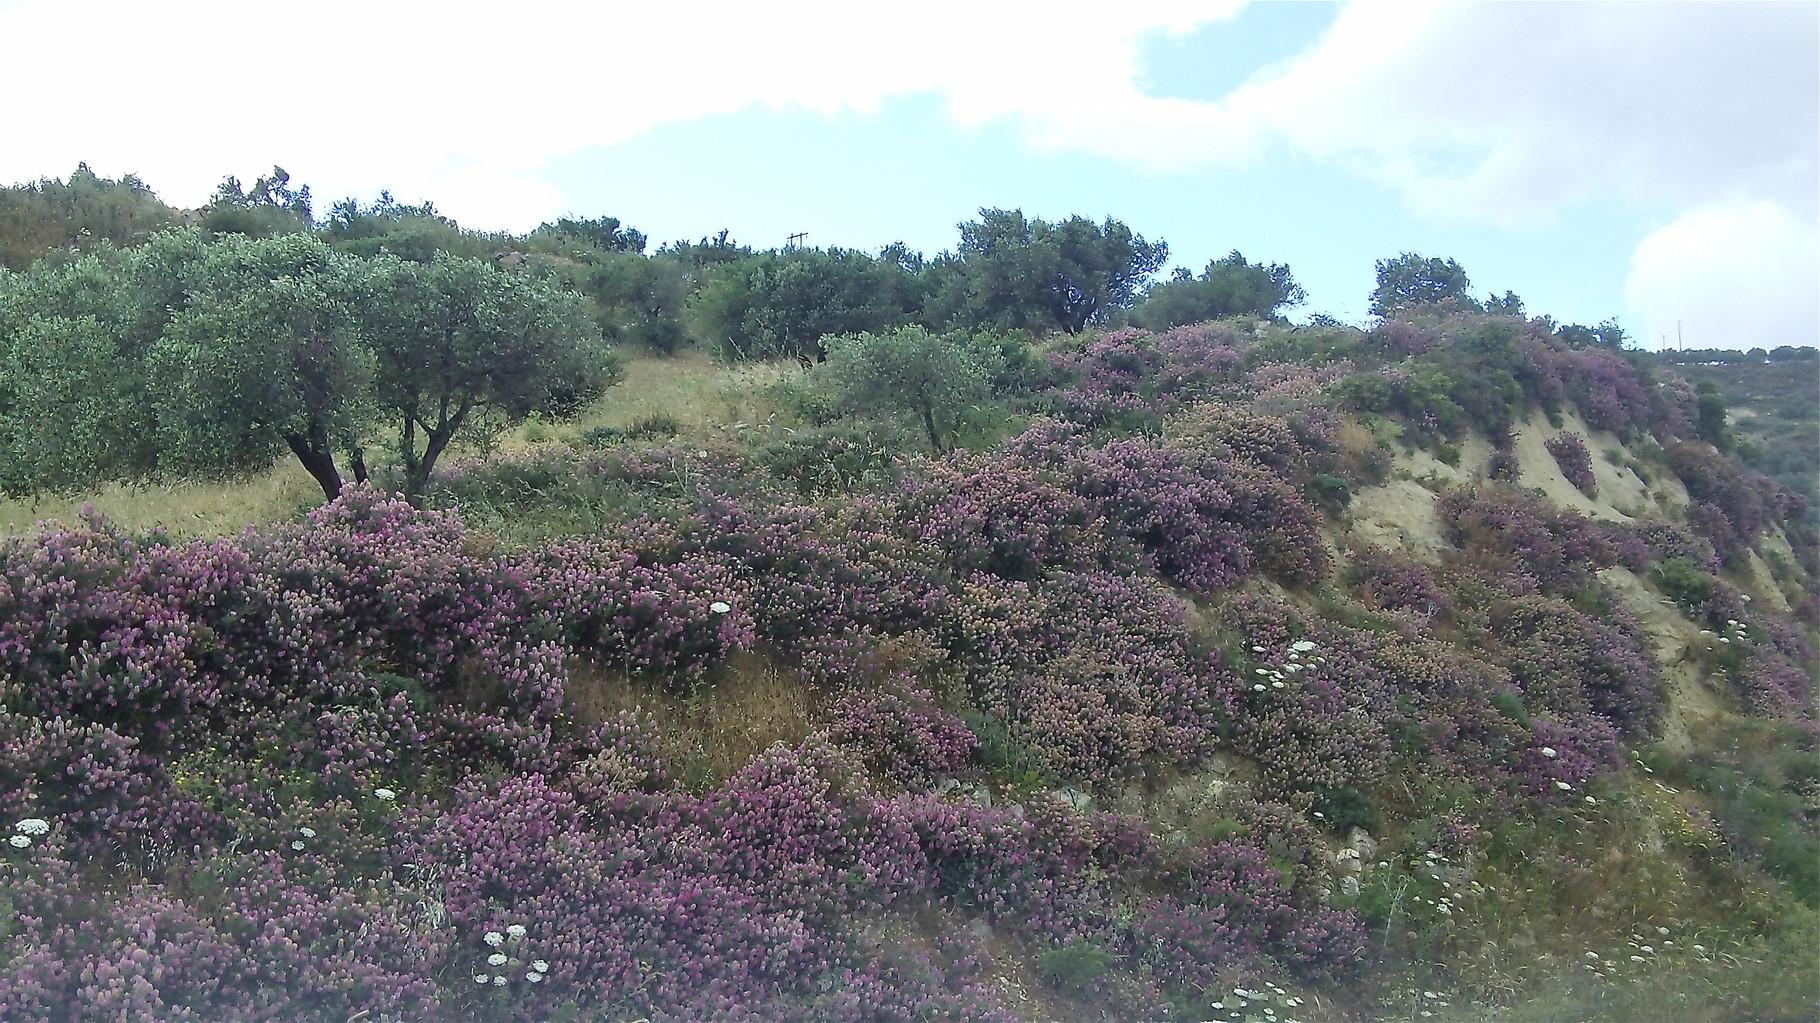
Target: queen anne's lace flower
(494, 938)
(385, 794)
(515, 931)
(720, 607)
(496, 959)
(541, 966)
(33, 826)
(20, 841)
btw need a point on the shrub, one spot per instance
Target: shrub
(1574, 460)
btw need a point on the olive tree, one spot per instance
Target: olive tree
(931, 376)
(189, 357)
(456, 337)
(269, 354)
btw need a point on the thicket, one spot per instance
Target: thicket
(380, 761)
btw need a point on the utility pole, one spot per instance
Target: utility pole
(795, 241)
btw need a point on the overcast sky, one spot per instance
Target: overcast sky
(1650, 162)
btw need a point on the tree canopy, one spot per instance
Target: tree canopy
(1228, 287)
(188, 356)
(1410, 279)
(912, 370)
(84, 211)
(455, 338)
(1014, 272)
(783, 303)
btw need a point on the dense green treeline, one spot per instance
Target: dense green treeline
(141, 341)
(1006, 272)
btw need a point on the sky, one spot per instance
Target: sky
(1652, 163)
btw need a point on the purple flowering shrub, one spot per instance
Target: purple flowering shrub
(1728, 505)
(900, 733)
(997, 516)
(1205, 521)
(1093, 671)
(1574, 461)
(1393, 582)
(1571, 663)
(109, 796)
(1547, 697)
(336, 768)
(1502, 529)
(623, 598)
(827, 586)
(1232, 904)
(1312, 708)
(1131, 375)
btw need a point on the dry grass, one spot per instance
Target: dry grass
(193, 509)
(743, 709)
(705, 397)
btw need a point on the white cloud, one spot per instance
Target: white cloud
(1499, 112)
(353, 97)
(1489, 113)
(1506, 112)
(1737, 275)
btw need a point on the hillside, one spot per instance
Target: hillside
(1238, 671)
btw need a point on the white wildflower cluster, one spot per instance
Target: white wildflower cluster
(506, 958)
(1735, 632)
(28, 829)
(1646, 946)
(1425, 998)
(299, 843)
(1298, 661)
(385, 795)
(1269, 1002)
(720, 607)
(1436, 866)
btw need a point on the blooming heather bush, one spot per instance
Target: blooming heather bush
(1668, 542)
(668, 903)
(109, 798)
(1204, 521)
(1313, 711)
(1575, 462)
(1234, 906)
(626, 599)
(1131, 374)
(1728, 506)
(899, 732)
(1111, 373)
(1198, 359)
(1398, 338)
(1508, 530)
(1551, 676)
(1393, 582)
(1771, 684)
(826, 586)
(1095, 671)
(1610, 392)
(271, 947)
(1571, 663)
(993, 515)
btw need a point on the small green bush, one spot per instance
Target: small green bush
(1076, 966)
(1684, 583)
(656, 426)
